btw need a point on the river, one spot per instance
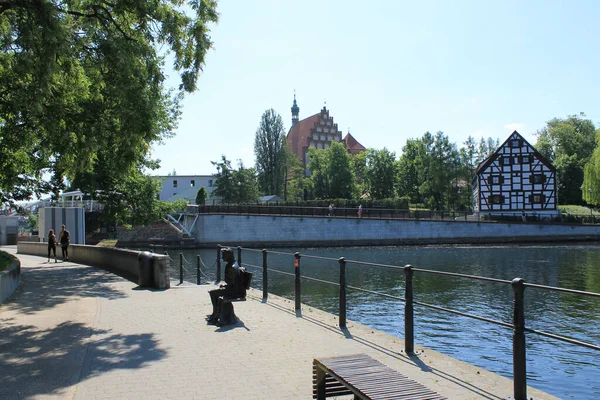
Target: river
(561, 369)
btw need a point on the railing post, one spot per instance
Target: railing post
(265, 278)
(218, 277)
(239, 260)
(342, 319)
(197, 269)
(409, 323)
(297, 281)
(180, 268)
(519, 363)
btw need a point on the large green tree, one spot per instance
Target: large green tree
(568, 143)
(83, 92)
(591, 176)
(235, 186)
(270, 153)
(381, 173)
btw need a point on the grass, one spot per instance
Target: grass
(5, 260)
(578, 210)
(107, 243)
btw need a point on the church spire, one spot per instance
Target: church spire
(295, 111)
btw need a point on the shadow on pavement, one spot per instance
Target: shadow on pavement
(46, 286)
(36, 362)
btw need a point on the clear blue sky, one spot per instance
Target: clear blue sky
(389, 71)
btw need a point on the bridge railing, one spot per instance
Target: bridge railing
(518, 285)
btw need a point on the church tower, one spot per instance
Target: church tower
(295, 111)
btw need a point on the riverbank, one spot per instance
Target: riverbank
(86, 333)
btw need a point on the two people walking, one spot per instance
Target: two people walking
(64, 238)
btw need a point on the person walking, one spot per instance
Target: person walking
(359, 211)
(331, 209)
(64, 237)
(52, 244)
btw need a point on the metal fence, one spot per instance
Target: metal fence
(518, 285)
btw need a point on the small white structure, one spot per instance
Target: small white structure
(9, 229)
(176, 187)
(54, 217)
(515, 178)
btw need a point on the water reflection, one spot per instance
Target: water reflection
(559, 368)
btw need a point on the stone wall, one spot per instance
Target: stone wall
(146, 233)
(9, 280)
(125, 263)
(267, 231)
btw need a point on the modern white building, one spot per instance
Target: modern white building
(515, 178)
(176, 187)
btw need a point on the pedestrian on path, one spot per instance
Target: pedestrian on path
(64, 237)
(330, 209)
(52, 244)
(523, 216)
(359, 211)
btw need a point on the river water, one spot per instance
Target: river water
(561, 369)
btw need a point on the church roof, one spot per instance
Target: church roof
(352, 144)
(299, 134)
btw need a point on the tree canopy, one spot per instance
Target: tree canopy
(270, 153)
(83, 92)
(235, 186)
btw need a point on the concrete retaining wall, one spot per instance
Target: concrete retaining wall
(119, 261)
(267, 231)
(9, 280)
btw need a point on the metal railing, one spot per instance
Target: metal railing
(518, 288)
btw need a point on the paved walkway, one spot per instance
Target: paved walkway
(76, 332)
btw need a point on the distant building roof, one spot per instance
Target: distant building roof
(270, 199)
(352, 145)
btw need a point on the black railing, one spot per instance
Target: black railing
(518, 287)
(535, 216)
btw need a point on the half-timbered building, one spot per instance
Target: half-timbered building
(515, 178)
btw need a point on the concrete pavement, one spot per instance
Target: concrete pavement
(76, 332)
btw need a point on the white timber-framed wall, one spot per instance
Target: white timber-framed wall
(515, 178)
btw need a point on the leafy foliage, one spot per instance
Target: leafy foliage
(269, 152)
(331, 172)
(201, 196)
(381, 173)
(83, 94)
(235, 186)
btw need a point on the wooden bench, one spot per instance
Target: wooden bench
(365, 378)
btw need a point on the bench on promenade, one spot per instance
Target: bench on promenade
(365, 378)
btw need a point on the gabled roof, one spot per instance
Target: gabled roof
(352, 144)
(485, 163)
(299, 134)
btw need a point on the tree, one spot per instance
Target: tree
(233, 186)
(201, 196)
(269, 151)
(359, 167)
(224, 182)
(319, 173)
(331, 172)
(569, 143)
(591, 176)
(83, 88)
(381, 173)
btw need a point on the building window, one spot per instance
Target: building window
(537, 178)
(175, 183)
(505, 160)
(525, 159)
(210, 182)
(496, 199)
(515, 143)
(192, 183)
(537, 198)
(496, 180)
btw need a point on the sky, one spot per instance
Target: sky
(387, 71)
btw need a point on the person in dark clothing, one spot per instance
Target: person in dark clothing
(64, 237)
(52, 244)
(232, 288)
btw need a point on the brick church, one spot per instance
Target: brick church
(317, 131)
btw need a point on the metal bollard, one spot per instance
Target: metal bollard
(218, 277)
(180, 268)
(519, 362)
(239, 260)
(297, 282)
(409, 323)
(342, 318)
(197, 270)
(265, 278)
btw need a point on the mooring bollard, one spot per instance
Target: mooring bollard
(297, 282)
(519, 362)
(409, 323)
(180, 268)
(218, 277)
(197, 270)
(239, 260)
(265, 278)
(342, 319)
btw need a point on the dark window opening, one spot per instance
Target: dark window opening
(505, 160)
(515, 143)
(537, 198)
(537, 178)
(496, 199)
(175, 183)
(193, 183)
(525, 160)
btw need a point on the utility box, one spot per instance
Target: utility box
(161, 272)
(9, 229)
(53, 217)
